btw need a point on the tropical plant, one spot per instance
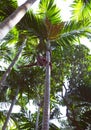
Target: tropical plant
(14, 18)
(3, 79)
(47, 35)
(81, 9)
(10, 110)
(44, 30)
(77, 97)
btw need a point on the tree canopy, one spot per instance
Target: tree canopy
(64, 78)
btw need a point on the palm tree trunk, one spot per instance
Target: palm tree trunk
(37, 119)
(46, 111)
(14, 18)
(10, 110)
(7, 72)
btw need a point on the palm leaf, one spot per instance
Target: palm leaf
(33, 24)
(46, 24)
(39, 27)
(49, 9)
(6, 8)
(73, 29)
(81, 9)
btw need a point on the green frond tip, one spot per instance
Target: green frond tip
(49, 9)
(7, 7)
(33, 24)
(81, 9)
(40, 27)
(74, 29)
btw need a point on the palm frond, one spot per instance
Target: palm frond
(6, 8)
(48, 9)
(73, 29)
(4, 49)
(45, 24)
(33, 24)
(81, 9)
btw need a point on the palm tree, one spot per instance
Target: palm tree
(14, 18)
(46, 34)
(46, 112)
(10, 110)
(52, 30)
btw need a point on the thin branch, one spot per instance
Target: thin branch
(7, 72)
(10, 110)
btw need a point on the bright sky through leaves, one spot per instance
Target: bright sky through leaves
(63, 5)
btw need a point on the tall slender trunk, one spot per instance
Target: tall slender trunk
(46, 111)
(7, 72)
(14, 18)
(37, 119)
(10, 110)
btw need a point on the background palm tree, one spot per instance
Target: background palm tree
(14, 18)
(7, 72)
(10, 110)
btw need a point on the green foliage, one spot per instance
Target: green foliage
(47, 9)
(81, 9)
(77, 96)
(69, 61)
(6, 8)
(32, 23)
(74, 29)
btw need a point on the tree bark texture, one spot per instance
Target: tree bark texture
(14, 18)
(46, 111)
